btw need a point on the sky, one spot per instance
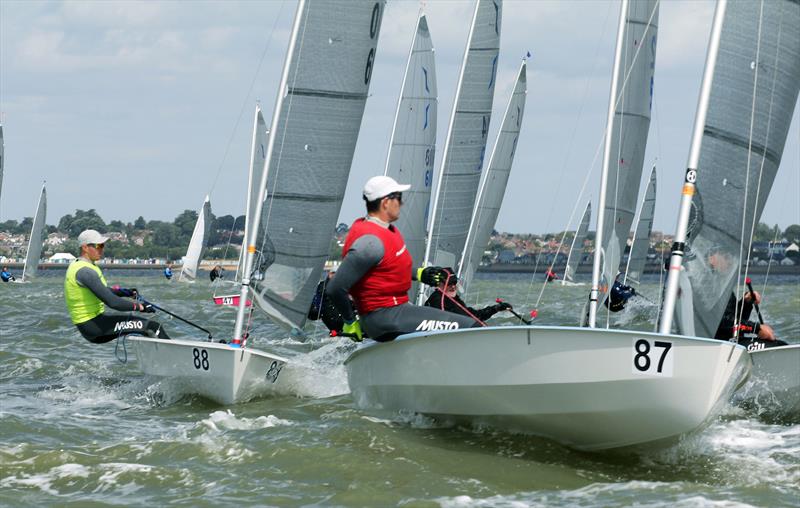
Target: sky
(142, 108)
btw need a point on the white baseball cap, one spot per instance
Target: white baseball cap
(381, 186)
(91, 236)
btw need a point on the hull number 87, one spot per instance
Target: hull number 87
(653, 358)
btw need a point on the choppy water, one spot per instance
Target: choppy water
(78, 428)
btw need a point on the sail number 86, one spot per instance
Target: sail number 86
(653, 359)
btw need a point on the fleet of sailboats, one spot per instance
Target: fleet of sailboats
(591, 388)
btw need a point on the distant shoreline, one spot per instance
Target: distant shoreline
(495, 268)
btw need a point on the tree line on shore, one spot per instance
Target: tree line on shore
(145, 239)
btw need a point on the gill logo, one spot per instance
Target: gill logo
(400, 251)
(128, 325)
(429, 325)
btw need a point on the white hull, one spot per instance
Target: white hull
(775, 382)
(213, 370)
(578, 386)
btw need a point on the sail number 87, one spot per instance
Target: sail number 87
(652, 358)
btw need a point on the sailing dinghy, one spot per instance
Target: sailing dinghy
(35, 241)
(258, 157)
(576, 249)
(315, 125)
(197, 244)
(589, 388)
(749, 114)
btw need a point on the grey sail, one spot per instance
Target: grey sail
(258, 156)
(465, 149)
(35, 240)
(626, 138)
(641, 238)
(413, 145)
(197, 244)
(576, 249)
(2, 160)
(750, 106)
(313, 136)
(493, 187)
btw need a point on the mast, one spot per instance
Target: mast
(253, 233)
(240, 268)
(679, 244)
(612, 105)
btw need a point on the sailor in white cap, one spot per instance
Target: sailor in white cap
(87, 294)
(376, 271)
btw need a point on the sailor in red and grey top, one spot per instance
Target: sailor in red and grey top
(377, 271)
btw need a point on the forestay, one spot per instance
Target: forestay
(197, 245)
(493, 186)
(626, 138)
(460, 173)
(258, 156)
(641, 238)
(576, 249)
(751, 103)
(313, 135)
(413, 144)
(35, 240)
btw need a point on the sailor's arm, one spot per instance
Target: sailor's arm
(366, 252)
(88, 278)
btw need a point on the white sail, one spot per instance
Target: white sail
(197, 245)
(413, 144)
(35, 240)
(494, 183)
(751, 101)
(314, 130)
(576, 249)
(463, 161)
(258, 157)
(626, 138)
(641, 238)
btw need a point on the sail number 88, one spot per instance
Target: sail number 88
(200, 358)
(652, 358)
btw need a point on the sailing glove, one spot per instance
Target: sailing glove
(125, 292)
(433, 275)
(502, 306)
(353, 330)
(147, 308)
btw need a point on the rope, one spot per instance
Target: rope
(456, 302)
(566, 160)
(124, 357)
(741, 280)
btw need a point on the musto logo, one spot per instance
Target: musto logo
(429, 325)
(128, 325)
